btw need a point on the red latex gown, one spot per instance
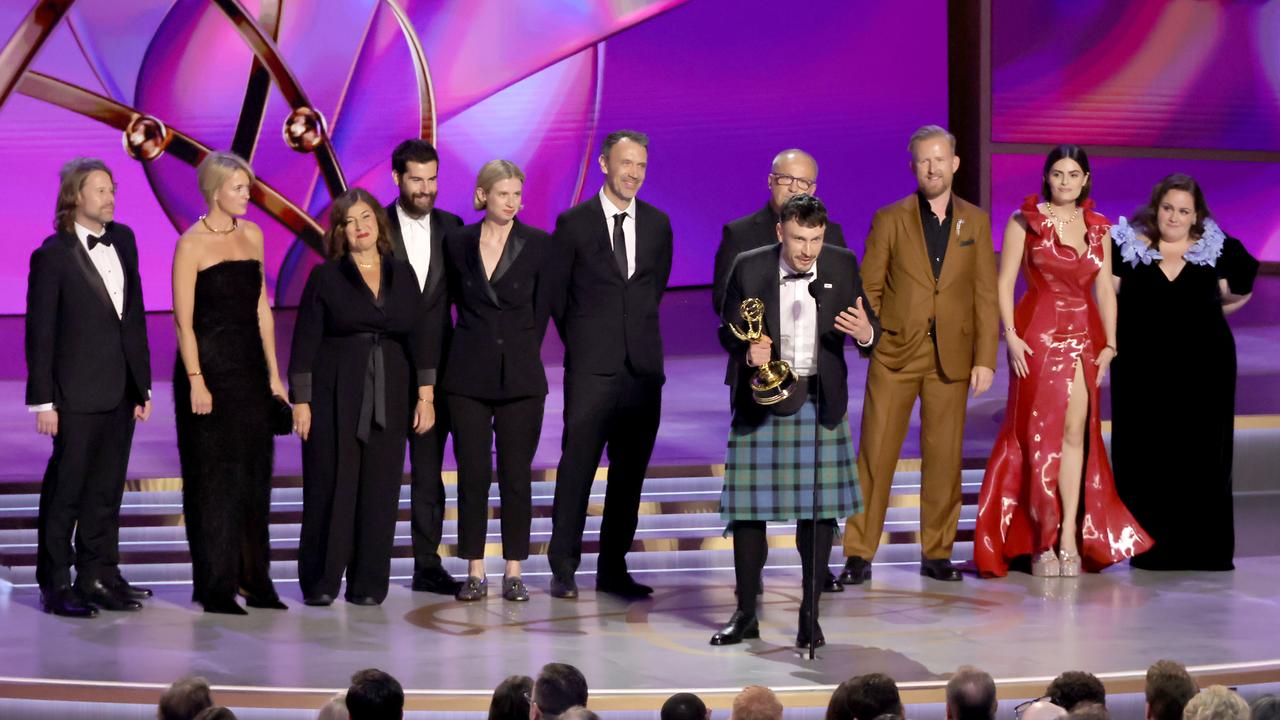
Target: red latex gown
(1019, 509)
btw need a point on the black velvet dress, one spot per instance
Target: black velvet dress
(227, 454)
(1173, 389)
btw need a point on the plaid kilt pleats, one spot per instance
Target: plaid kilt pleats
(769, 470)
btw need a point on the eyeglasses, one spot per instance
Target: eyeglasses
(801, 184)
(1021, 707)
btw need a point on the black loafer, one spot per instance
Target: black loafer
(564, 588)
(362, 600)
(133, 592)
(622, 585)
(321, 600)
(856, 571)
(940, 570)
(435, 580)
(832, 584)
(65, 602)
(98, 593)
(741, 626)
(229, 606)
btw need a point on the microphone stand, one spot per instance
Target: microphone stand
(814, 592)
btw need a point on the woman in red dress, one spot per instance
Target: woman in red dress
(1048, 490)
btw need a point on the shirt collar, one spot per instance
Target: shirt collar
(405, 217)
(785, 269)
(610, 209)
(84, 233)
(926, 207)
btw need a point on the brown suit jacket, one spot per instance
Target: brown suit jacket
(899, 282)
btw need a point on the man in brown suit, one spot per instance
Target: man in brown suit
(930, 274)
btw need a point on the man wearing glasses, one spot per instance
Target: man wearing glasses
(794, 172)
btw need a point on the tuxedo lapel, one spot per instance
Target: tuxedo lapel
(397, 236)
(515, 243)
(475, 265)
(82, 261)
(959, 229)
(602, 235)
(916, 255)
(435, 269)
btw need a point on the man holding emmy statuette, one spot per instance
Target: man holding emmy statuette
(790, 453)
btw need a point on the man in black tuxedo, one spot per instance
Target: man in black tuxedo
(88, 381)
(417, 229)
(614, 258)
(793, 172)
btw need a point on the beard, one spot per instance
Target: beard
(417, 204)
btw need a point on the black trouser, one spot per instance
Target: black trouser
(349, 516)
(623, 411)
(81, 493)
(750, 547)
(517, 424)
(426, 489)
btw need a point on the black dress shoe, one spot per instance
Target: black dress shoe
(802, 637)
(321, 600)
(940, 570)
(225, 606)
(622, 585)
(564, 588)
(832, 584)
(64, 601)
(856, 571)
(742, 626)
(98, 593)
(265, 602)
(435, 580)
(134, 592)
(363, 600)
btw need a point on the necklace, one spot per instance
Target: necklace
(211, 229)
(364, 266)
(1058, 223)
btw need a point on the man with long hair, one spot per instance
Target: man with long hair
(88, 381)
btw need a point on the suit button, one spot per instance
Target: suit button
(499, 341)
(935, 291)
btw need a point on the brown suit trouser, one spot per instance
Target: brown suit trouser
(886, 414)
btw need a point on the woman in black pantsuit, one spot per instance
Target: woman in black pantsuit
(362, 372)
(495, 381)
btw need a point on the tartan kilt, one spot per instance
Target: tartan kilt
(768, 472)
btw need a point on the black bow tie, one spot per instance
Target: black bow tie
(798, 276)
(95, 240)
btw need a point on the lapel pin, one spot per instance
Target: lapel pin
(959, 225)
(826, 286)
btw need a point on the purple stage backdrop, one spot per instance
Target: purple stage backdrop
(720, 86)
(1150, 74)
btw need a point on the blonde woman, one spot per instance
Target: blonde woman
(494, 380)
(224, 382)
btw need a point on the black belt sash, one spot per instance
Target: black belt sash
(373, 404)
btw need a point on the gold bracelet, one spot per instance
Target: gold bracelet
(194, 374)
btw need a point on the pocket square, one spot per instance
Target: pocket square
(964, 243)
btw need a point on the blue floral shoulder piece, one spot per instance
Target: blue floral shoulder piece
(1208, 248)
(1133, 250)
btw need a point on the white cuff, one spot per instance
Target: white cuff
(40, 408)
(869, 340)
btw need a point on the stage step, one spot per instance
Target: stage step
(679, 524)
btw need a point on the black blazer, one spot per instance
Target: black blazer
(80, 356)
(755, 274)
(340, 321)
(606, 321)
(759, 229)
(496, 349)
(434, 297)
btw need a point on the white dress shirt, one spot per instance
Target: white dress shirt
(416, 233)
(628, 228)
(798, 316)
(106, 261)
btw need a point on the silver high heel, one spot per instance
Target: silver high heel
(1069, 564)
(1046, 564)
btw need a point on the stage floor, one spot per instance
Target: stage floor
(916, 630)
